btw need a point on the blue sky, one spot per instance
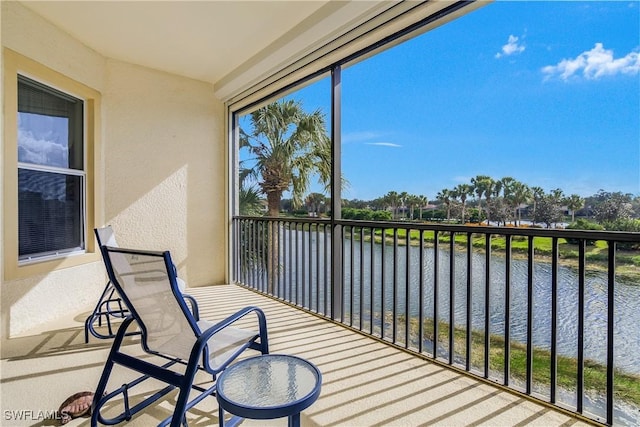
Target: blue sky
(545, 92)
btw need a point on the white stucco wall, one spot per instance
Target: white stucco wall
(164, 156)
(162, 172)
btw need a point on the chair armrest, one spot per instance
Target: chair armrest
(262, 322)
(206, 335)
(193, 305)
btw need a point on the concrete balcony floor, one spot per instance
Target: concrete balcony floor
(365, 382)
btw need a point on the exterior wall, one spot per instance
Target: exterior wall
(164, 156)
(160, 181)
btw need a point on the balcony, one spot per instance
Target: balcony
(365, 381)
(529, 314)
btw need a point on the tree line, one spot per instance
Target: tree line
(288, 146)
(503, 201)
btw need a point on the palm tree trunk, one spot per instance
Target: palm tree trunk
(273, 262)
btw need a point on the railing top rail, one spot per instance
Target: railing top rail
(616, 236)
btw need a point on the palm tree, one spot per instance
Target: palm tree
(482, 185)
(463, 191)
(574, 203)
(557, 195)
(249, 200)
(289, 146)
(537, 193)
(392, 199)
(445, 197)
(506, 186)
(403, 197)
(521, 193)
(314, 201)
(422, 202)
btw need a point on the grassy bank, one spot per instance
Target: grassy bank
(626, 386)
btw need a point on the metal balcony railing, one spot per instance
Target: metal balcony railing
(544, 312)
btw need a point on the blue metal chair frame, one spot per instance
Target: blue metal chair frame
(198, 359)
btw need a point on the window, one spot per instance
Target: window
(51, 178)
(51, 169)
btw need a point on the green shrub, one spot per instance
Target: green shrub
(583, 224)
(628, 225)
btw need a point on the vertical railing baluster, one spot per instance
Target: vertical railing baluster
(351, 273)
(361, 321)
(487, 306)
(372, 280)
(469, 301)
(313, 289)
(261, 246)
(611, 279)
(581, 286)
(283, 248)
(275, 229)
(234, 249)
(319, 251)
(287, 287)
(303, 273)
(252, 260)
(309, 285)
(296, 281)
(421, 292)
(258, 262)
(530, 272)
(327, 267)
(342, 268)
(436, 278)
(240, 253)
(275, 250)
(264, 251)
(394, 304)
(383, 280)
(314, 232)
(407, 282)
(452, 294)
(554, 320)
(507, 311)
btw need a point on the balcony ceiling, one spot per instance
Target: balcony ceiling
(204, 40)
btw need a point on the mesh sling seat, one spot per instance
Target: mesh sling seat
(185, 345)
(110, 305)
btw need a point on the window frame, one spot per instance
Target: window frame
(75, 128)
(16, 64)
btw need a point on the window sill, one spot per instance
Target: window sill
(14, 270)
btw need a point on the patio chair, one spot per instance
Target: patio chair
(110, 305)
(183, 344)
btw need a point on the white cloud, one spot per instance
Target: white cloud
(511, 48)
(359, 136)
(41, 150)
(367, 138)
(384, 144)
(593, 64)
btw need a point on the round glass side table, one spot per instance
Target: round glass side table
(266, 387)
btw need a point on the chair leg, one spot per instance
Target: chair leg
(103, 309)
(99, 399)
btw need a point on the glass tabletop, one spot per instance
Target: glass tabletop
(270, 381)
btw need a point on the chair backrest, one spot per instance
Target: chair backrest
(106, 236)
(147, 283)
